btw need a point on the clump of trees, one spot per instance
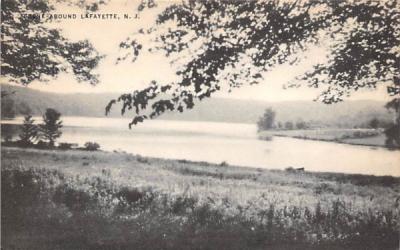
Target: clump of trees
(391, 129)
(44, 134)
(289, 125)
(300, 124)
(267, 121)
(374, 123)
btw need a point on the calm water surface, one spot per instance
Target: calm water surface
(234, 143)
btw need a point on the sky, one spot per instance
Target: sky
(106, 35)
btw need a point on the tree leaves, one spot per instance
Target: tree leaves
(50, 129)
(219, 43)
(366, 52)
(31, 51)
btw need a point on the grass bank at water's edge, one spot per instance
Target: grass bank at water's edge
(360, 137)
(102, 200)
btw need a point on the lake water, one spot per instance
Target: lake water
(234, 143)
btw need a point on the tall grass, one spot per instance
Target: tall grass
(96, 214)
(44, 208)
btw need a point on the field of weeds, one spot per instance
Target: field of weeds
(100, 200)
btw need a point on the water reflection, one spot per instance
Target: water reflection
(236, 144)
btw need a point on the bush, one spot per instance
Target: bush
(74, 199)
(42, 145)
(289, 169)
(289, 125)
(65, 146)
(223, 164)
(92, 146)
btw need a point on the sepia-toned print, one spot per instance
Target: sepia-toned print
(200, 124)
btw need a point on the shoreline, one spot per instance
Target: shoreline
(266, 135)
(336, 141)
(205, 164)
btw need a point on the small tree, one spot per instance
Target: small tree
(50, 129)
(266, 122)
(29, 131)
(300, 124)
(374, 123)
(392, 132)
(289, 125)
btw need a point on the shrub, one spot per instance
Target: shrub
(74, 199)
(131, 195)
(223, 164)
(42, 145)
(290, 169)
(289, 125)
(65, 145)
(300, 124)
(92, 146)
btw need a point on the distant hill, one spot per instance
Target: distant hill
(348, 113)
(67, 104)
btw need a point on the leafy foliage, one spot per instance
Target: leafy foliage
(217, 42)
(365, 51)
(289, 125)
(300, 124)
(227, 44)
(29, 131)
(374, 123)
(50, 129)
(92, 146)
(32, 51)
(266, 122)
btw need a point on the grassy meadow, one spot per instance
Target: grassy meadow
(366, 137)
(102, 200)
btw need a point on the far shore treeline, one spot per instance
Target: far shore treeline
(347, 114)
(268, 126)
